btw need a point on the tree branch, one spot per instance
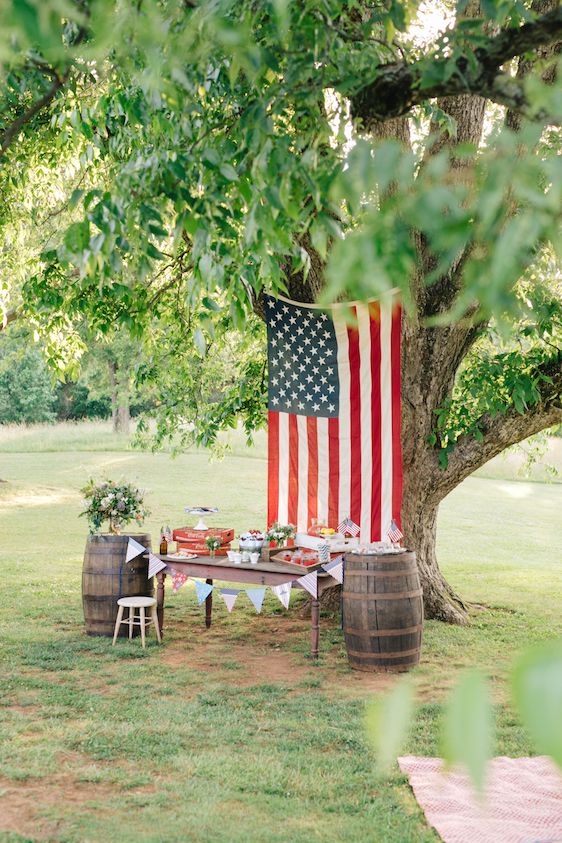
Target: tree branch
(14, 128)
(503, 430)
(8, 317)
(397, 87)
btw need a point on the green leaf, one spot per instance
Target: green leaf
(468, 727)
(210, 304)
(387, 722)
(199, 341)
(537, 690)
(229, 172)
(75, 198)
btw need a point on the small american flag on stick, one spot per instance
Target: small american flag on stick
(394, 532)
(349, 526)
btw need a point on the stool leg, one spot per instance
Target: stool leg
(117, 624)
(142, 625)
(154, 616)
(131, 621)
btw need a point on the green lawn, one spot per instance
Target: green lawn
(232, 734)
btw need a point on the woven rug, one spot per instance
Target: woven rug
(522, 803)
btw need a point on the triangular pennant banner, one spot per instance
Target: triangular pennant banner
(178, 580)
(203, 590)
(283, 592)
(310, 582)
(229, 596)
(134, 548)
(335, 568)
(154, 565)
(256, 595)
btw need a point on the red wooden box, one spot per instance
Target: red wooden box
(201, 549)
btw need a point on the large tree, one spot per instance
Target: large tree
(318, 149)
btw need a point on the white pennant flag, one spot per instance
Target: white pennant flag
(229, 596)
(154, 565)
(335, 569)
(310, 582)
(283, 592)
(134, 548)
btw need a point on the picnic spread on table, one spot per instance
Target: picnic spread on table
(334, 471)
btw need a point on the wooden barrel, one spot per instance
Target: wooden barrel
(382, 611)
(106, 577)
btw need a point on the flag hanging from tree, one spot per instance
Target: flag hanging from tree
(334, 415)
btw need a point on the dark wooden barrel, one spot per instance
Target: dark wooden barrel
(106, 577)
(382, 611)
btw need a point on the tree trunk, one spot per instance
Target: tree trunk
(123, 418)
(112, 368)
(120, 402)
(420, 527)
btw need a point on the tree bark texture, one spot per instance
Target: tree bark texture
(397, 87)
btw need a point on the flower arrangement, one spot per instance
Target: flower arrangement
(212, 542)
(115, 502)
(280, 533)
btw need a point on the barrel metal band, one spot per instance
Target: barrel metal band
(382, 633)
(379, 656)
(398, 595)
(411, 573)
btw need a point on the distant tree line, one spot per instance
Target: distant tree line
(103, 388)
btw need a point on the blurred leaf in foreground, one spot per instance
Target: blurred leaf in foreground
(468, 733)
(387, 722)
(537, 690)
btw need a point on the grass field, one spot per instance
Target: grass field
(232, 734)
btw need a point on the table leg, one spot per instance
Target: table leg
(314, 627)
(160, 577)
(208, 606)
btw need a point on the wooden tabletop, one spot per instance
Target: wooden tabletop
(266, 565)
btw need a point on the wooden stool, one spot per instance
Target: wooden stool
(141, 603)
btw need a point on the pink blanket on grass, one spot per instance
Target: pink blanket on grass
(522, 801)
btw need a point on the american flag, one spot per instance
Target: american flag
(334, 415)
(349, 526)
(395, 533)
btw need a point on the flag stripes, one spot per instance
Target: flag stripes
(347, 463)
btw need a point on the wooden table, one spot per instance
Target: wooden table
(266, 572)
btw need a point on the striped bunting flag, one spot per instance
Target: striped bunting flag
(257, 596)
(310, 582)
(229, 596)
(154, 564)
(335, 569)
